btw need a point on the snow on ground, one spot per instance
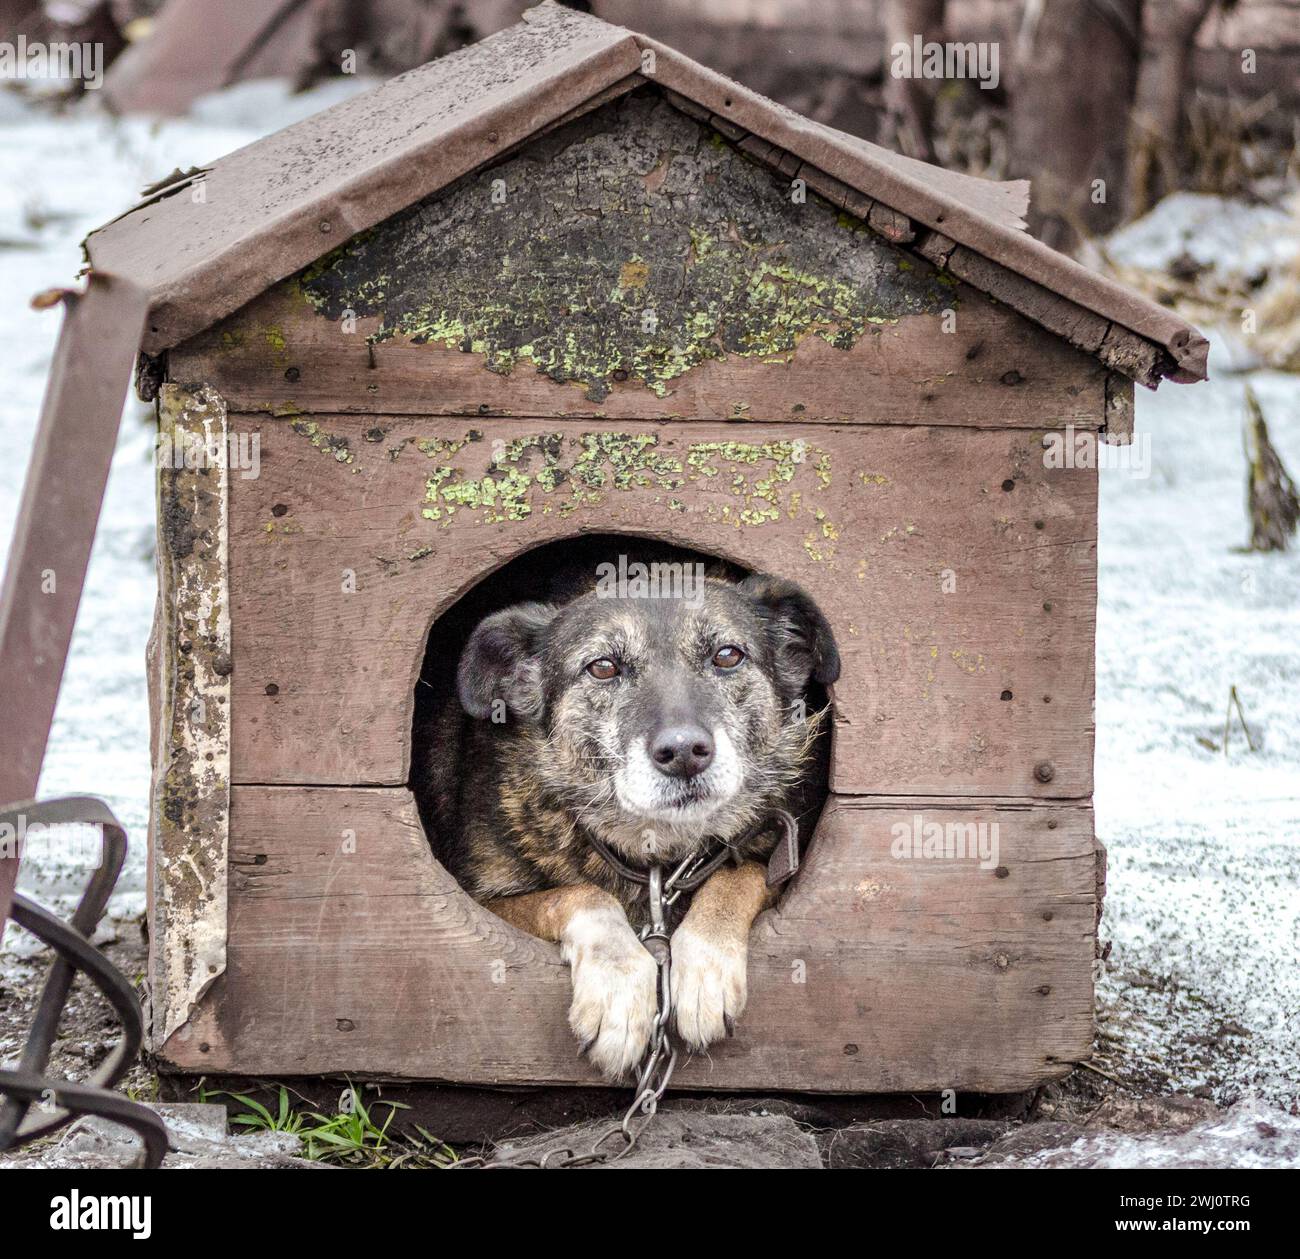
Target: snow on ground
(1204, 846)
(1252, 1134)
(1202, 989)
(1234, 239)
(59, 178)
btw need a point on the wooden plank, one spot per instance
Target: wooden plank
(497, 296)
(891, 224)
(1118, 430)
(958, 572)
(1136, 357)
(352, 951)
(1080, 327)
(983, 367)
(936, 247)
(190, 650)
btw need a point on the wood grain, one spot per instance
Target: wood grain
(988, 368)
(946, 591)
(352, 951)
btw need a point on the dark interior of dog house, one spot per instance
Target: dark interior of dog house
(554, 573)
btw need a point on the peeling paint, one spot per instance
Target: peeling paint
(191, 789)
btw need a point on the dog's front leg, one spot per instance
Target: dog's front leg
(614, 977)
(711, 952)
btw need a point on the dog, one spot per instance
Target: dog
(662, 726)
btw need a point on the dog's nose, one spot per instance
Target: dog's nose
(682, 751)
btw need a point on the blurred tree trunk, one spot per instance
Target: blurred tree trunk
(73, 24)
(1157, 129)
(909, 102)
(1076, 73)
(16, 18)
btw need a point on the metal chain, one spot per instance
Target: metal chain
(661, 1054)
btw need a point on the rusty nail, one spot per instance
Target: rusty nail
(1044, 771)
(272, 689)
(291, 373)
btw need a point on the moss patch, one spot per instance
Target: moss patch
(630, 246)
(745, 484)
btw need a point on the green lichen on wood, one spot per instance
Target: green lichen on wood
(750, 483)
(327, 443)
(627, 246)
(563, 474)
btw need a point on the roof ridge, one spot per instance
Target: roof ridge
(286, 199)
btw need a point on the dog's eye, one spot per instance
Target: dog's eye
(728, 657)
(604, 669)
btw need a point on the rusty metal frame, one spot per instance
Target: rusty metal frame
(28, 1083)
(57, 519)
(58, 515)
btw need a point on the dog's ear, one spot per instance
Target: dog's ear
(502, 661)
(801, 637)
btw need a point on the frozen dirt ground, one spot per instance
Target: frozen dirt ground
(1201, 993)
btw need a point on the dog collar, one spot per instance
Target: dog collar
(692, 871)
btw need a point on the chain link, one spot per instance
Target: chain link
(661, 1054)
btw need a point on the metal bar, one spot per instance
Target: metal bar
(57, 518)
(75, 948)
(90, 909)
(8, 877)
(84, 1099)
(74, 952)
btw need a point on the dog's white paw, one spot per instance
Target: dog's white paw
(614, 989)
(709, 985)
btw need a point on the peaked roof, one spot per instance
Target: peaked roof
(271, 208)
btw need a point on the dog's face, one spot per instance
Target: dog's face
(659, 721)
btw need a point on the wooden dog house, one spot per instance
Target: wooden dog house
(568, 281)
